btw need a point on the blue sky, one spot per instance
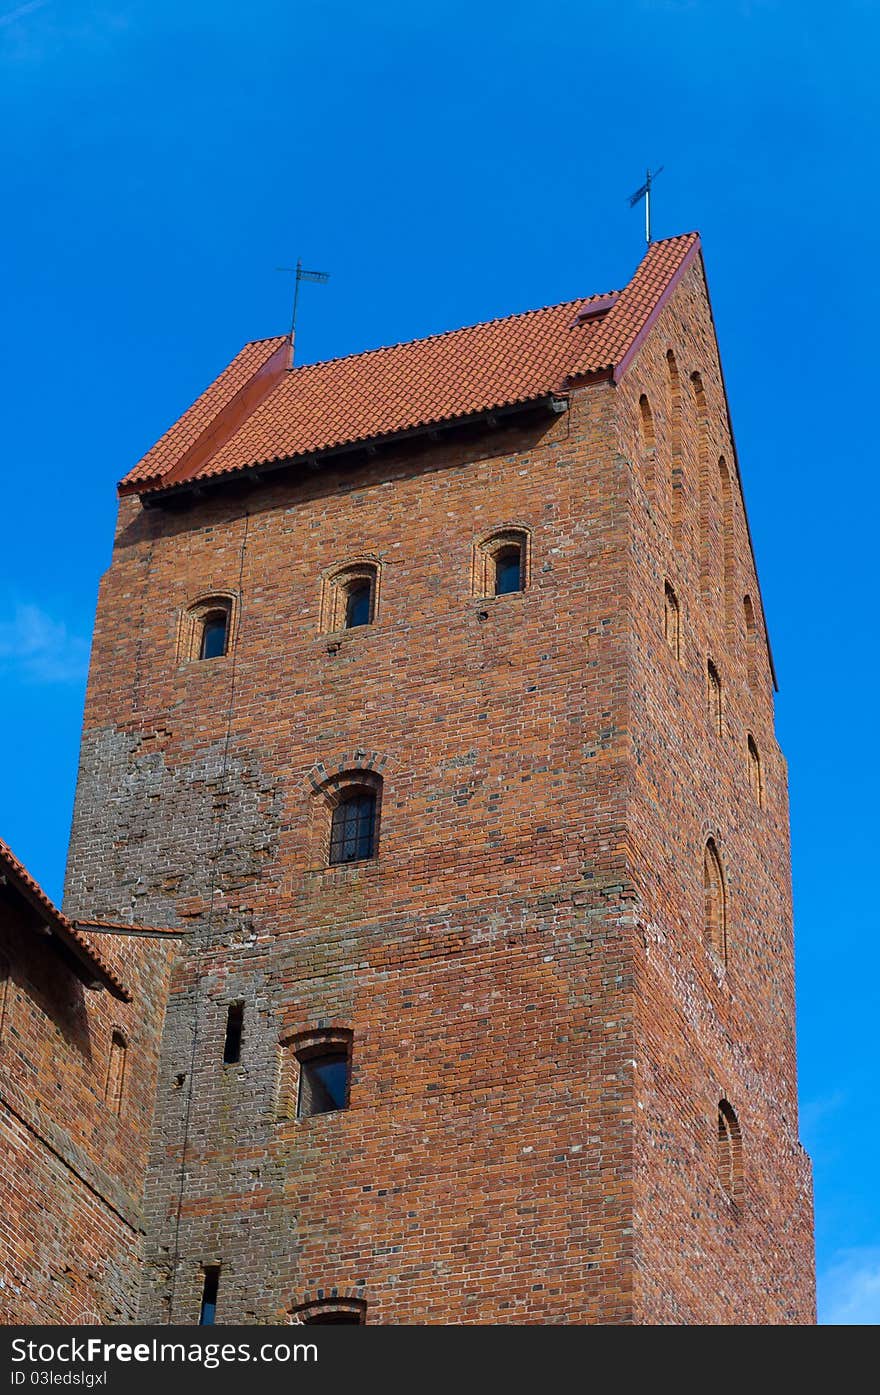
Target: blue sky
(449, 163)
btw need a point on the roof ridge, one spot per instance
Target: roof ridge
(446, 333)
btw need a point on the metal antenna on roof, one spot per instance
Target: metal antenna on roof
(645, 193)
(299, 275)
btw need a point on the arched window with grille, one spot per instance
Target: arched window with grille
(354, 824)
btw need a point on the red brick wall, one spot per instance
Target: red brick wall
(482, 1172)
(71, 1168)
(539, 1041)
(707, 1032)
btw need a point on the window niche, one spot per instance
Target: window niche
(350, 597)
(501, 564)
(713, 697)
(730, 1162)
(114, 1085)
(315, 1076)
(715, 902)
(756, 771)
(671, 620)
(206, 629)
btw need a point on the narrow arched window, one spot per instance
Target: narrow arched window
(756, 773)
(713, 696)
(214, 634)
(353, 825)
(646, 423)
(699, 393)
(501, 563)
(206, 629)
(350, 598)
(508, 570)
(115, 1082)
(315, 1075)
(751, 641)
(671, 619)
(358, 604)
(715, 910)
(676, 472)
(730, 1167)
(727, 540)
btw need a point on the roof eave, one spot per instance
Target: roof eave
(155, 495)
(55, 924)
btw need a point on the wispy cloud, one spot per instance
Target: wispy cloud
(20, 11)
(849, 1289)
(38, 649)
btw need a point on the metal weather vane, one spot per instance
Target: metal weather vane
(320, 277)
(644, 192)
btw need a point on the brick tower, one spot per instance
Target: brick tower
(431, 700)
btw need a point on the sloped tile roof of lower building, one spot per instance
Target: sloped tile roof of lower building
(260, 411)
(58, 923)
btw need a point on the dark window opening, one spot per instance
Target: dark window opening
(213, 645)
(353, 827)
(234, 1026)
(730, 1163)
(323, 1083)
(508, 571)
(358, 604)
(208, 1314)
(354, 1319)
(115, 1072)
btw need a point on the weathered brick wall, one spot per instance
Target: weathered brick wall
(540, 1041)
(482, 1171)
(707, 1032)
(71, 1166)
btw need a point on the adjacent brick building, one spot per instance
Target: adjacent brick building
(81, 1011)
(431, 707)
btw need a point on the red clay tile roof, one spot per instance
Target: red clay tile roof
(258, 411)
(59, 925)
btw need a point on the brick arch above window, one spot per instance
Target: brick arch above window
(331, 1307)
(346, 815)
(502, 561)
(350, 594)
(199, 631)
(324, 773)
